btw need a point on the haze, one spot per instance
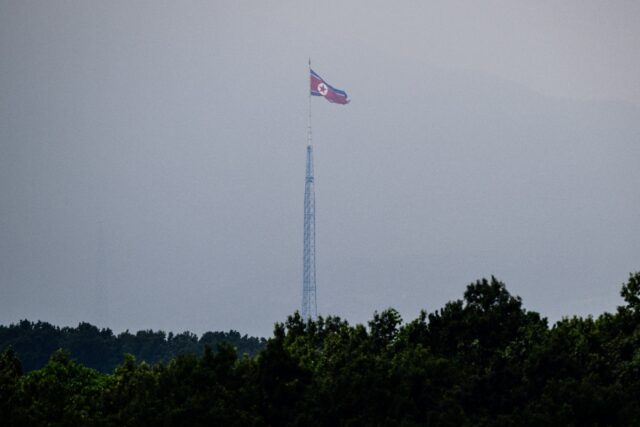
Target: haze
(152, 158)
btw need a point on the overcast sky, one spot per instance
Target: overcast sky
(152, 158)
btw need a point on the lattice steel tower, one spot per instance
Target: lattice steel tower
(309, 306)
(318, 87)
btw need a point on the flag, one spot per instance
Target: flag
(321, 88)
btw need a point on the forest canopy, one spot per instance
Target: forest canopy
(482, 360)
(101, 349)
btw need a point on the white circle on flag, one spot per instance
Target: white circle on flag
(322, 88)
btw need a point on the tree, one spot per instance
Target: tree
(631, 292)
(10, 374)
(61, 393)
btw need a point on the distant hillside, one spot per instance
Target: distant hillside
(101, 349)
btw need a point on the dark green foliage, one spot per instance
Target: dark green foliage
(480, 361)
(62, 393)
(102, 350)
(631, 292)
(10, 373)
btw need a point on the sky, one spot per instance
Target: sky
(152, 158)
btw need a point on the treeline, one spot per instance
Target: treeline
(480, 361)
(101, 349)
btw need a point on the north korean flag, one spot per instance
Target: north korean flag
(321, 88)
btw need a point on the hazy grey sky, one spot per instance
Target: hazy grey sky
(482, 138)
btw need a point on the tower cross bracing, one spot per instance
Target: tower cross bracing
(309, 306)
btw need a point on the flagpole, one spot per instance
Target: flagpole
(309, 140)
(309, 305)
